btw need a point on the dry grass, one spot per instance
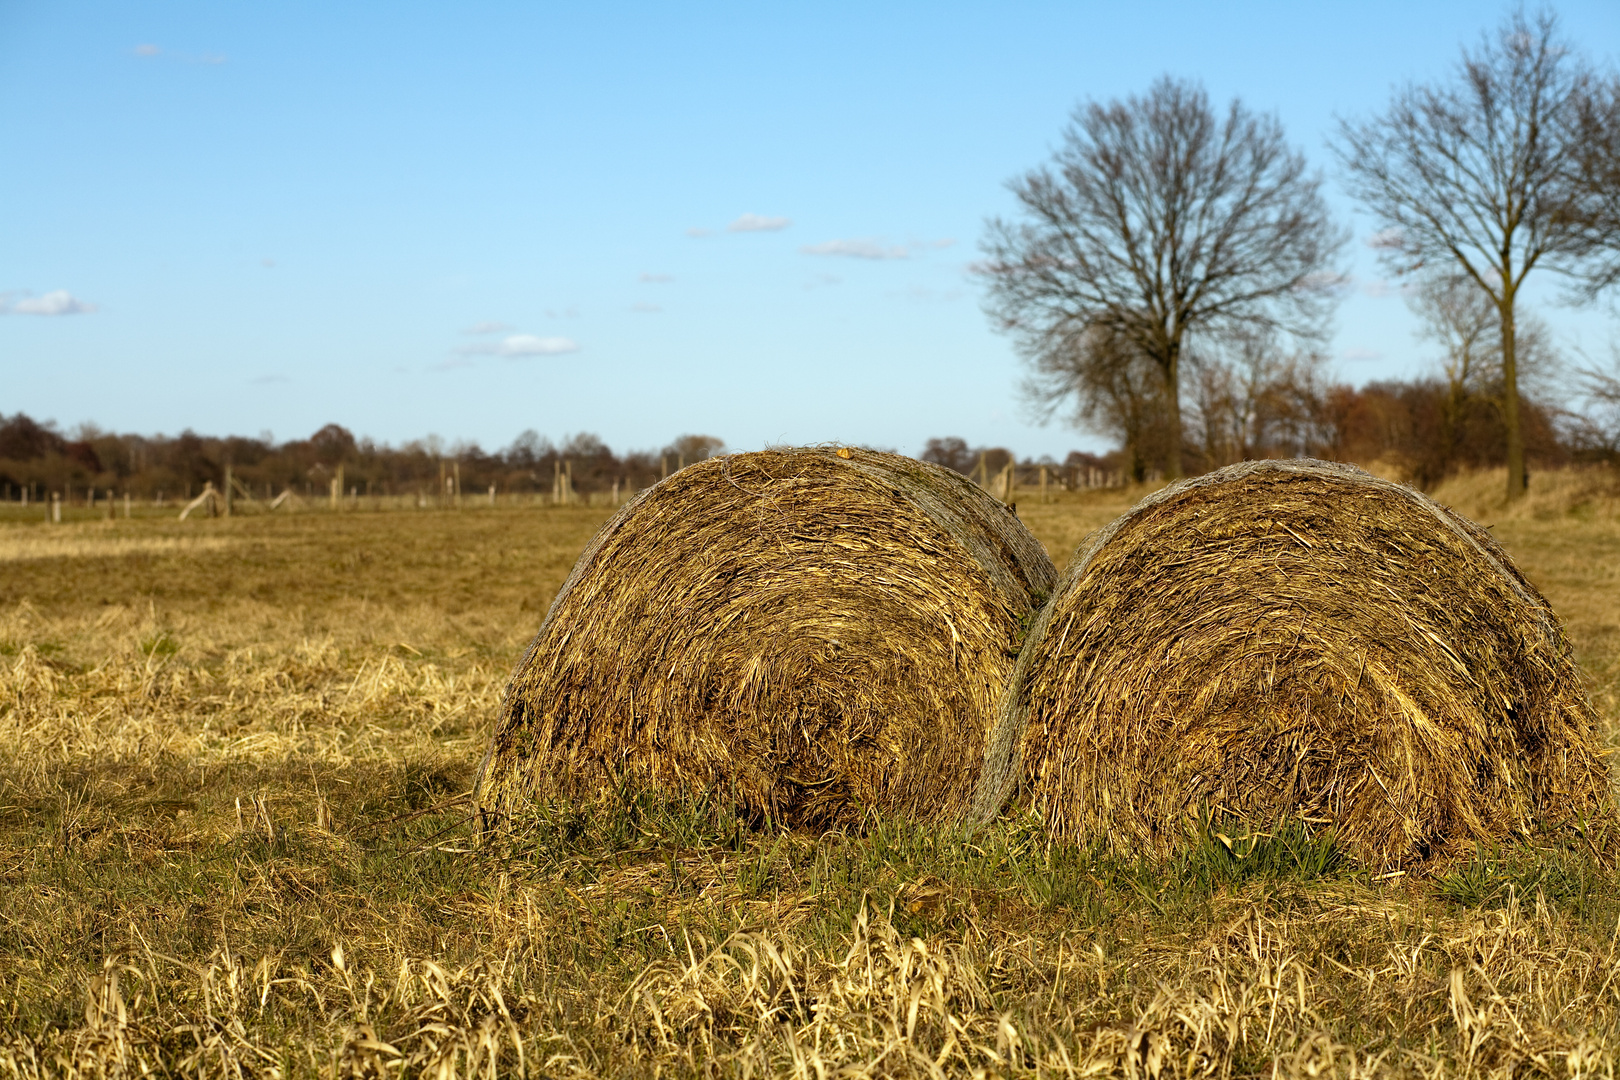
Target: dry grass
(17, 545)
(817, 633)
(230, 845)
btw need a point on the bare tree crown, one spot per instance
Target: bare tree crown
(1164, 225)
(1478, 172)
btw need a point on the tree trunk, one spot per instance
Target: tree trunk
(1510, 396)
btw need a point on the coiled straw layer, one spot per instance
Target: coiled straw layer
(1296, 639)
(812, 632)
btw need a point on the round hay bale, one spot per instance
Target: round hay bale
(1296, 639)
(810, 632)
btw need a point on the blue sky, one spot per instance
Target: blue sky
(749, 221)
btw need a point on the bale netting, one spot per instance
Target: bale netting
(1287, 640)
(811, 633)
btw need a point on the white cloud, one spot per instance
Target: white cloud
(148, 50)
(521, 345)
(57, 302)
(698, 230)
(1385, 239)
(1361, 354)
(758, 223)
(646, 309)
(923, 294)
(479, 328)
(656, 279)
(1377, 288)
(858, 249)
(1325, 281)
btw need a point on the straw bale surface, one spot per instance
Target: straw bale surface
(810, 632)
(1296, 639)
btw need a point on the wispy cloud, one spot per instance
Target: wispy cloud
(1361, 354)
(517, 346)
(149, 51)
(759, 223)
(479, 328)
(656, 279)
(1385, 239)
(1325, 281)
(698, 230)
(858, 249)
(646, 309)
(924, 295)
(56, 302)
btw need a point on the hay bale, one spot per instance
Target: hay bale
(811, 632)
(1296, 639)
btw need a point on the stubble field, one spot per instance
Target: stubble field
(233, 842)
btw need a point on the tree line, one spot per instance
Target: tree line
(1257, 405)
(37, 458)
(1172, 272)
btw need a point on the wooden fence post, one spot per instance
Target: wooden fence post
(227, 489)
(56, 508)
(126, 504)
(456, 465)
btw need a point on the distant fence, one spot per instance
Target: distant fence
(1009, 484)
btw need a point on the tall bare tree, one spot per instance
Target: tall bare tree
(1476, 174)
(1597, 210)
(1160, 223)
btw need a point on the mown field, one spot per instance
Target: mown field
(233, 842)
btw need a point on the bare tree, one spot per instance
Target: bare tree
(1595, 428)
(1476, 174)
(1463, 320)
(1112, 389)
(689, 448)
(1163, 224)
(1596, 213)
(1257, 401)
